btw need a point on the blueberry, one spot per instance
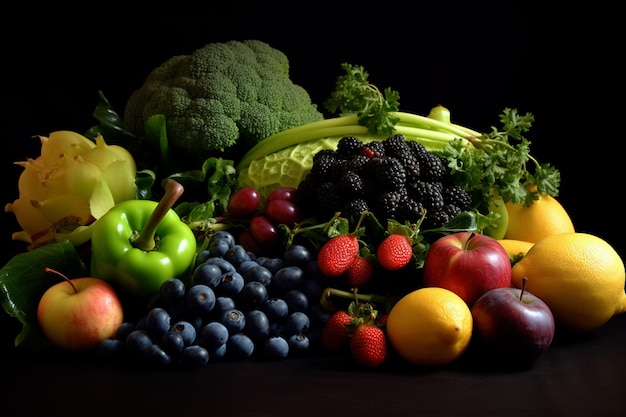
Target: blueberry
(258, 273)
(288, 278)
(222, 304)
(186, 330)
(252, 296)
(124, 330)
(224, 265)
(276, 309)
(111, 348)
(200, 299)
(209, 274)
(296, 300)
(202, 256)
(158, 322)
(154, 355)
(275, 348)
(172, 343)
(224, 235)
(297, 322)
(234, 320)
(213, 335)
(273, 264)
(236, 255)
(194, 356)
(172, 291)
(257, 326)
(218, 352)
(297, 255)
(245, 266)
(137, 342)
(231, 284)
(298, 344)
(239, 346)
(218, 247)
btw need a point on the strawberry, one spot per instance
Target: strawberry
(335, 332)
(394, 252)
(360, 272)
(336, 255)
(368, 345)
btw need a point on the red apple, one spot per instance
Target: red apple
(79, 313)
(512, 326)
(468, 264)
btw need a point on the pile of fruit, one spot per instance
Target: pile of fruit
(415, 240)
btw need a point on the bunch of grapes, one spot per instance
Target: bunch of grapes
(393, 178)
(262, 235)
(236, 306)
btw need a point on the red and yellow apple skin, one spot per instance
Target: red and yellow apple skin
(79, 319)
(468, 264)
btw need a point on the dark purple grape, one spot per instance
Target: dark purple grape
(244, 202)
(283, 193)
(264, 232)
(283, 212)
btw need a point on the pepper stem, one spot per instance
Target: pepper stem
(145, 239)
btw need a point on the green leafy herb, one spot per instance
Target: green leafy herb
(354, 94)
(499, 161)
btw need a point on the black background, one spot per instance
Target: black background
(560, 63)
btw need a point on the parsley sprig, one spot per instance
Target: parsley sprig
(500, 162)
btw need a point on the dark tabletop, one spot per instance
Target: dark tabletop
(561, 64)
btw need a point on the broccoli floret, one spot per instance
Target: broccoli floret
(221, 95)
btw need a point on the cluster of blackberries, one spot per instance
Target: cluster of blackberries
(394, 178)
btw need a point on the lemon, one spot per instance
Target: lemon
(430, 326)
(545, 216)
(516, 249)
(578, 275)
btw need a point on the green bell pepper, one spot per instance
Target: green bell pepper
(139, 244)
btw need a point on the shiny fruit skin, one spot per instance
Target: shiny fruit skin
(244, 202)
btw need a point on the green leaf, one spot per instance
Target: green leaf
(23, 281)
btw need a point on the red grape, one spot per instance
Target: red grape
(283, 193)
(244, 202)
(283, 212)
(264, 232)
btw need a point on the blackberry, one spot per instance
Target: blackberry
(396, 146)
(323, 165)
(411, 167)
(458, 196)
(433, 167)
(441, 217)
(328, 199)
(409, 210)
(417, 149)
(429, 194)
(357, 163)
(377, 148)
(348, 146)
(387, 203)
(351, 183)
(388, 172)
(353, 208)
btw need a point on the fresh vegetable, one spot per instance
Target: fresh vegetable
(221, 95)
(139, 244)
(73, 182)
